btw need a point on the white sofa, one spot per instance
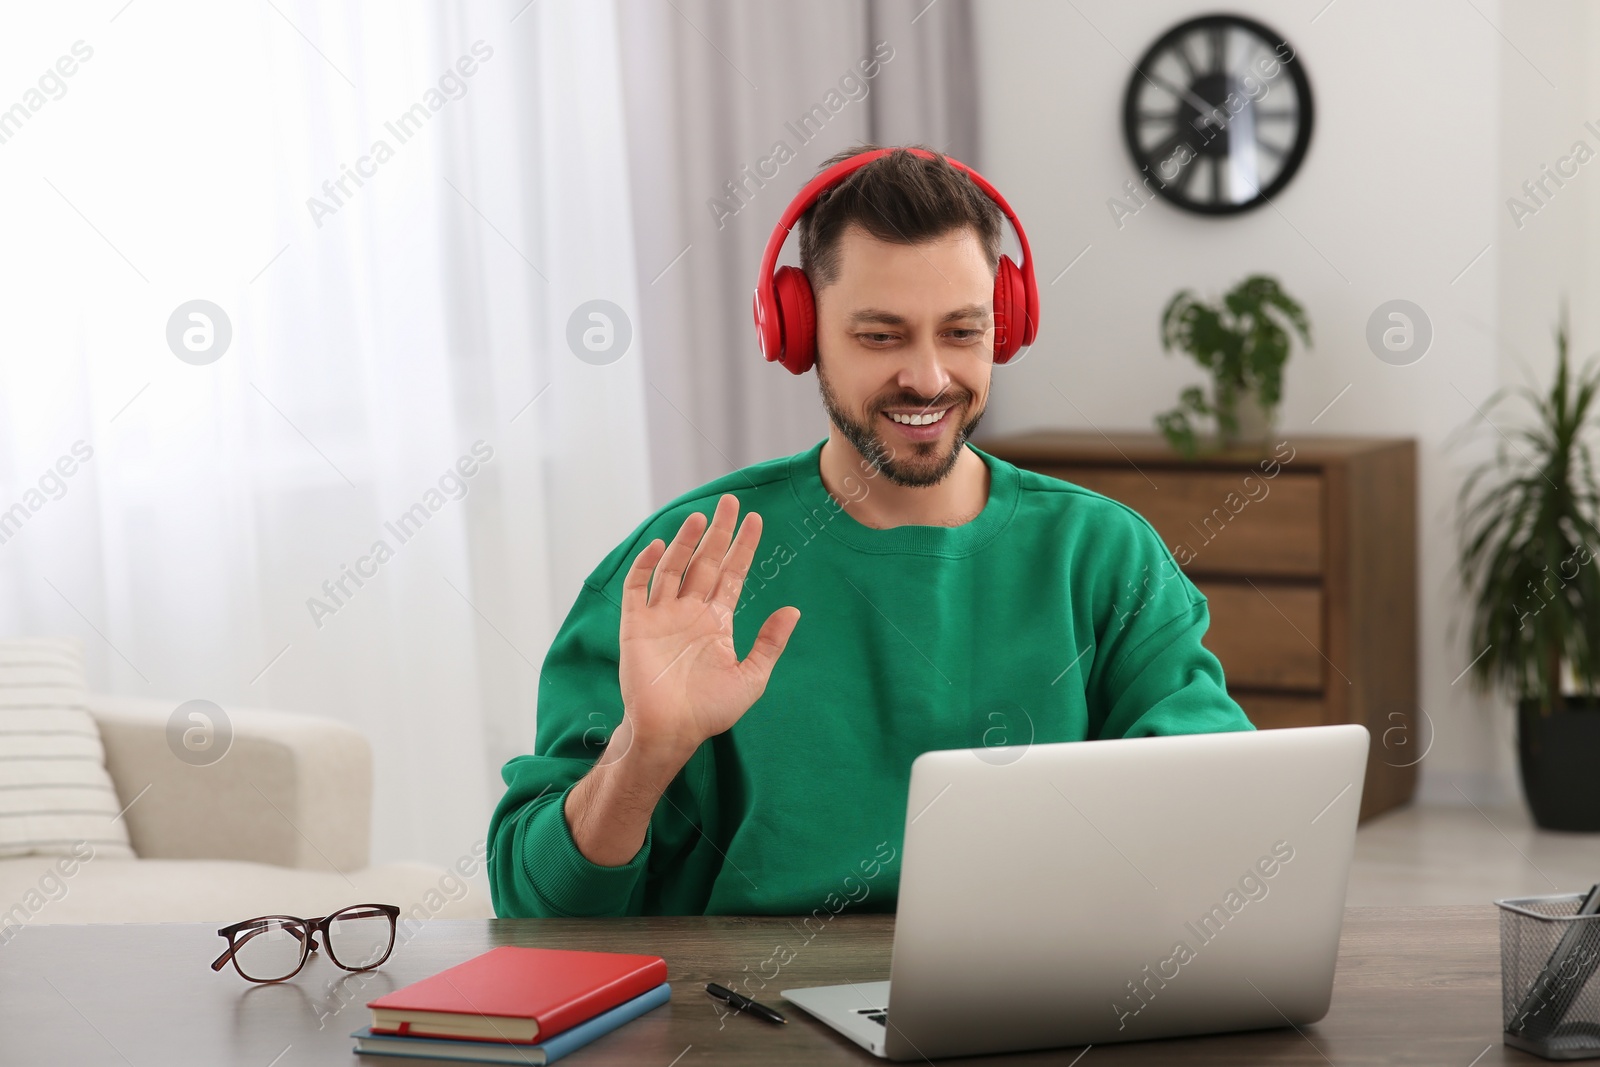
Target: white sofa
(281, 824)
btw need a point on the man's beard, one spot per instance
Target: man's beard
(869, 442)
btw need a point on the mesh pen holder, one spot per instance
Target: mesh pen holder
(1549, 995)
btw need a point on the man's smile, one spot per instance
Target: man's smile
(917, 426)
(918, 418)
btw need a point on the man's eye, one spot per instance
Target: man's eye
(966, 335)
(876, 338)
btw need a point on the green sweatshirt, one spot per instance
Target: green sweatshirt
(1057, 614)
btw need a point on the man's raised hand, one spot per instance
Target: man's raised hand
(681, 680)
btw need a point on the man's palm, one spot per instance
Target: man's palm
(680, 676)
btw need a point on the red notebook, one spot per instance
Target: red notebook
(516, 994)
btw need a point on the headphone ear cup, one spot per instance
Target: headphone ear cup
(1010, 309)
(798, 314)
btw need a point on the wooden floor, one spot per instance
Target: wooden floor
(1460, 855)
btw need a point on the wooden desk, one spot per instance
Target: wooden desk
(1413, 986)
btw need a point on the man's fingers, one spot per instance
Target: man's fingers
(736, 564)
(669, 572)
(770, 643)
(637, 581)
(701, 578)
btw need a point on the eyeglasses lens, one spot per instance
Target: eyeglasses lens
(270, 950)
(359, 937)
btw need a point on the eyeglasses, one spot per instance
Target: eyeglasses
(273, 948)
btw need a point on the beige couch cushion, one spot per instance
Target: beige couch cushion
(47, 889)
(55, 793)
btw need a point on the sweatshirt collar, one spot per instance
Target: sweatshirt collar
(820, 507)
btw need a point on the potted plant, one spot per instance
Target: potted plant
(1244, 343)
(1528, 539)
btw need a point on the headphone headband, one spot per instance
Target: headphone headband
(769, 327)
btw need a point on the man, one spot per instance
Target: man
(896, 589)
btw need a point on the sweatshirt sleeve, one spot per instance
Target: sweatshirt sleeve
(534, 866)
(1167, 682)
(1152, 675)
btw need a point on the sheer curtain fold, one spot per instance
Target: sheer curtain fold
(731, 109)
(397, 207)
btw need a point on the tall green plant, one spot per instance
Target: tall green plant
(1242, 343)
(1528, 538)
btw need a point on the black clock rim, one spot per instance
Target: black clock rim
(1297, 152)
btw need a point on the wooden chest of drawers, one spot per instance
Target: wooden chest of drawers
(1307, 554)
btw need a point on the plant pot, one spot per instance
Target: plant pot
(1560, 758)
(1255, 421)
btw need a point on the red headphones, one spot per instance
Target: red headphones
(786, 314)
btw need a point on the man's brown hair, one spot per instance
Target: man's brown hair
(901, 197)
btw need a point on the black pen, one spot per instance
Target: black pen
(741, 1002)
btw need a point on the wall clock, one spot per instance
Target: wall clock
(1217, 114)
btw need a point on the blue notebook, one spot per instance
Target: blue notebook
(437, 1048)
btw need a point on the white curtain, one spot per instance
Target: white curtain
(712, 89)
(398, 315)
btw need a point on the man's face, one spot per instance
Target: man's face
(907, 330)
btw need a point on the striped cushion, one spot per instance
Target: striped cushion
(54, 789)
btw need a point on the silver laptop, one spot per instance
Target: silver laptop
(1090, 892)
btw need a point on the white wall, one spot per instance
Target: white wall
(1428, 116)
